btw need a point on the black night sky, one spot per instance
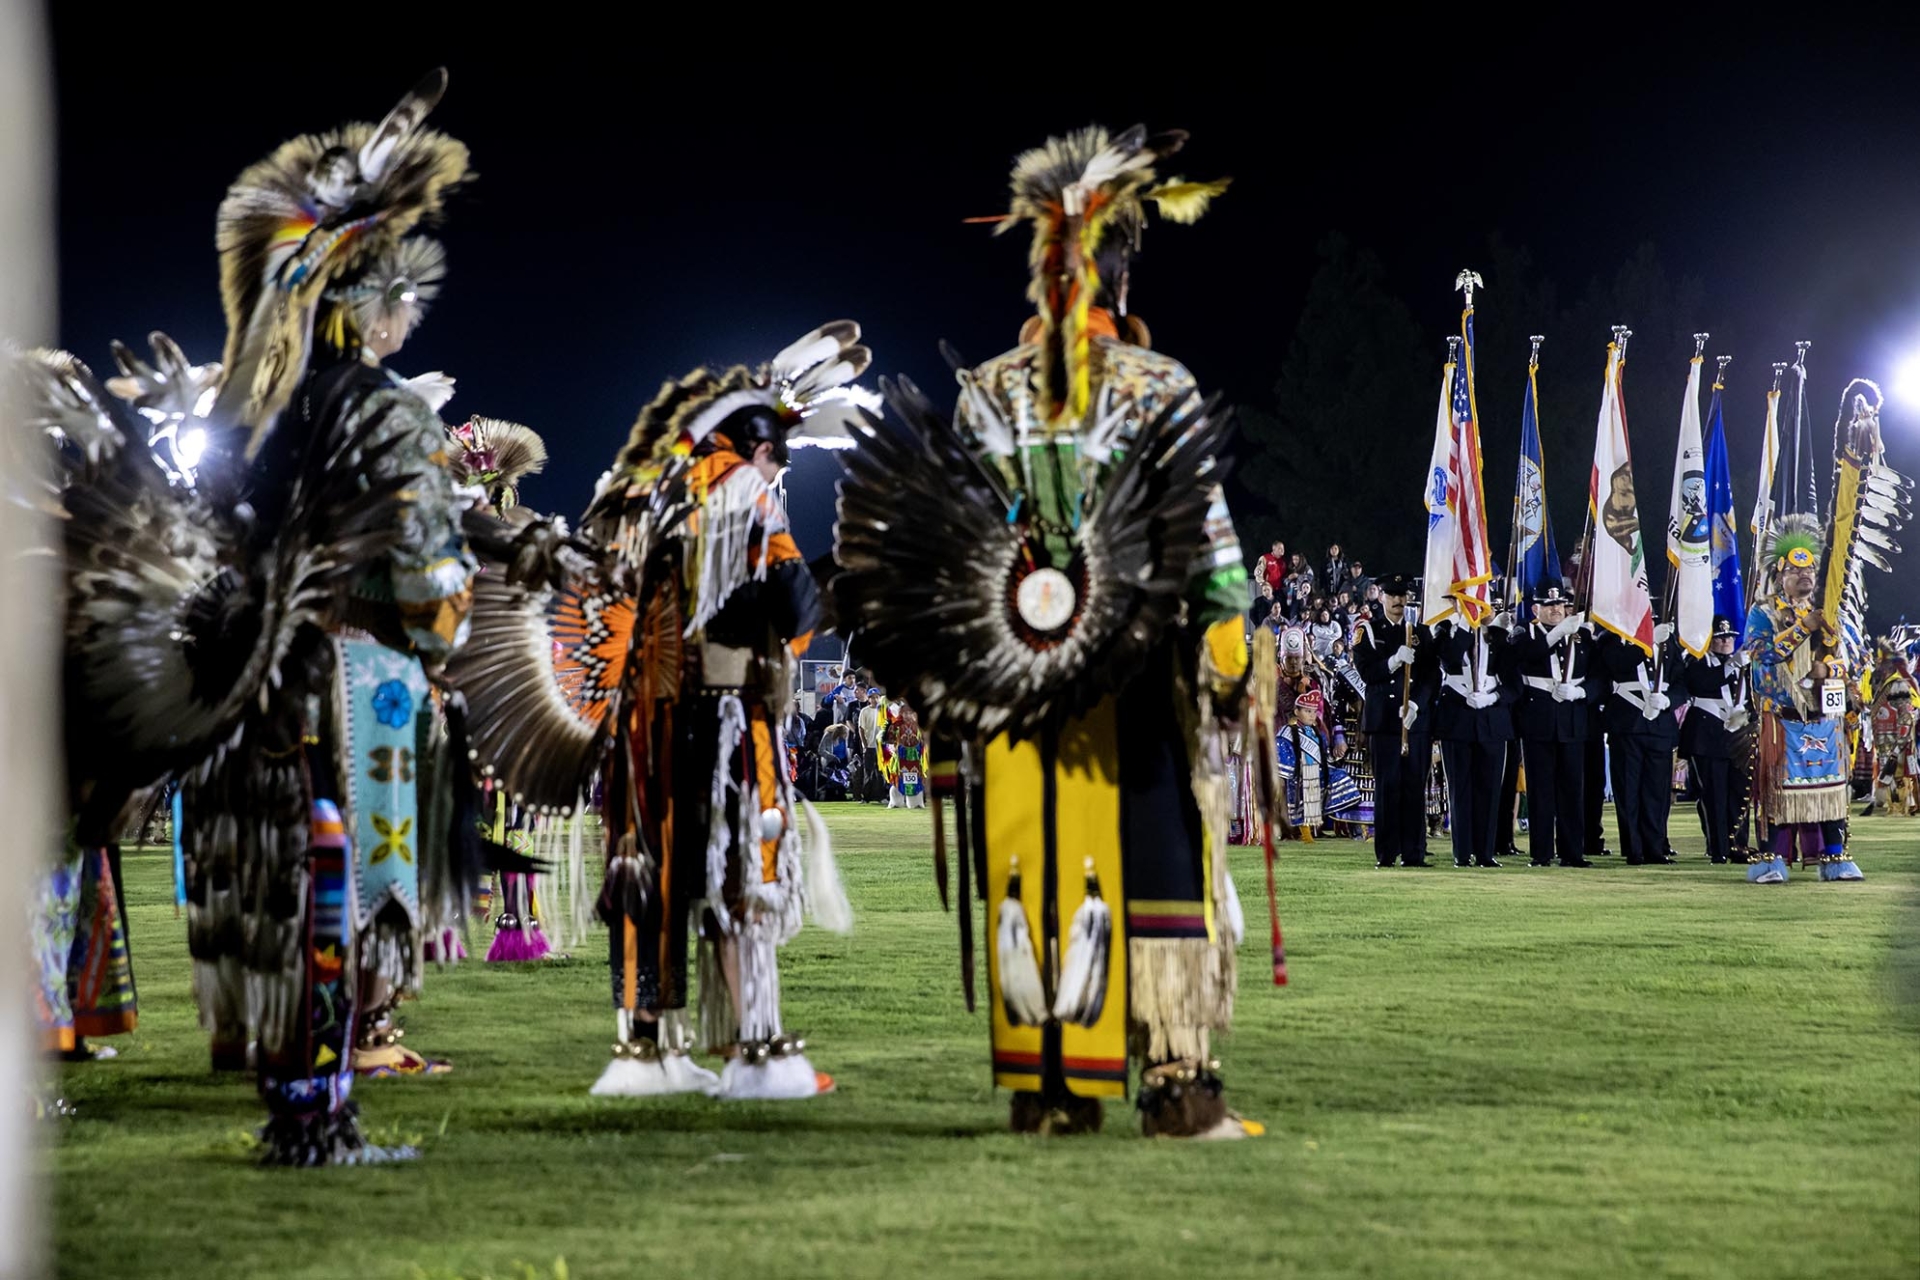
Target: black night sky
(650, 199)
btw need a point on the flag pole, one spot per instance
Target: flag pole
(1764, 528)
(1513, 541)
(1719, 388)
(1799, 413)
(1750, 817)
(1583, 589)
(1406, 622)
(1618, 347)
(1670, 597)
(1466, 282)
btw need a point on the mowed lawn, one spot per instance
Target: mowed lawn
(1615, 1072)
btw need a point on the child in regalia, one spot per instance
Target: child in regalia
(1317, 792)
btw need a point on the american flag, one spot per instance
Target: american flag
(1459, 567)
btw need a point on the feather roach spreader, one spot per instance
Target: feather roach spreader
(226, 525)
(1053, 579)
(655, 648)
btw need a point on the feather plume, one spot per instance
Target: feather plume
(434, 388)
(1082, 995)
(1186, 202)
(497, 455)
(1021, 993)
(826, 896)
(393, 292)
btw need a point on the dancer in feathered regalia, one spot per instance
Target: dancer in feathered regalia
(900, 758)
(1807, 638)
(1801, 789)
(389, 722)
(1896, 783)
(494, 456)
(208, 589)
(1086, 643)
(678, 613)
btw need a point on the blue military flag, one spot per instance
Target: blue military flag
(1729, 589)
(1535, 558)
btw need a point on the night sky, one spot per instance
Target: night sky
(647, 201)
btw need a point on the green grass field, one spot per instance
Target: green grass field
(1615, 1072)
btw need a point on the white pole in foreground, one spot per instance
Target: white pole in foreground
(28, 596)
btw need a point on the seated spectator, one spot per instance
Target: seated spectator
(1357, 580)
(1324, 633)
(1264, 598)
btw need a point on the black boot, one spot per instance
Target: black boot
(1057, 1117)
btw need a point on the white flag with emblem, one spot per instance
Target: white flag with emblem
(1443, 531)
(1617, 584)
(1689, 533)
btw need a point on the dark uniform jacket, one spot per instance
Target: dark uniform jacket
(1375, 642)
(1537, 716)
(1718, 687)
(1453, 719)
(1633, 677)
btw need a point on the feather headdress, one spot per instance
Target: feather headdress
(315, 213)
(806, 386)
(1798, 532)
(1086, 195)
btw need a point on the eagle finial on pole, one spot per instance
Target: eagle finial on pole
(1466, 282)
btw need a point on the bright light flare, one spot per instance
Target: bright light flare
(1906, 381)
(192, 443)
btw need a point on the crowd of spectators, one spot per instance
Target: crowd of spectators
(1326, 599)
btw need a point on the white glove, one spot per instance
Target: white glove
(1480, 701)
(1663, 633)
(1409, 713)
(1567, 691)
(1502, 621)
(1402, 657)
(1737, 719)
(1743, 656)
(1658, 701)
(1566, 627)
